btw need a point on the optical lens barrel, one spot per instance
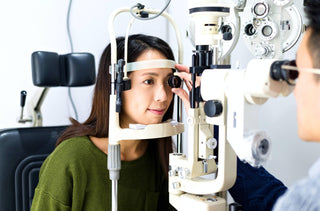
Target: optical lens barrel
(174, 81)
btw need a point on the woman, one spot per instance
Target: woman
(75, 175)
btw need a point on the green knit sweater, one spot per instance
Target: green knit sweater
(75, 177)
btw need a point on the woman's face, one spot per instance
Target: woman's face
(150, 95)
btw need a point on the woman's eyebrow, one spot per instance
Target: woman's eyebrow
(170, 74)
(150, 73)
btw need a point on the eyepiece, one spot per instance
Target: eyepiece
(288, 75)
(174, 81)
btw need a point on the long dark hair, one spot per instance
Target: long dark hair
(97, 124)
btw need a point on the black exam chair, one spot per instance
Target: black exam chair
(23, 150)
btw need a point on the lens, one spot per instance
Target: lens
(288, 75)
(226, 28)
(174, 81)
(260, 9)
(249, 30)
(267, 31)
(292, 76)
(263, 147)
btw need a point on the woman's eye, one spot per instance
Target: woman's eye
(166, 82)
(149, 82)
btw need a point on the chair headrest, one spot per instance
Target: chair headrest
(74, 69)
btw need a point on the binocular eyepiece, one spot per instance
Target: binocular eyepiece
(288, 74)
(174, 81)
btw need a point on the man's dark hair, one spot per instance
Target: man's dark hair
(312, 10)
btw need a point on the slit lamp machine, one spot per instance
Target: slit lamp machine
(218, 129)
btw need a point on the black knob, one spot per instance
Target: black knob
(23, 95)
(227, 36)
(144, 14)
(227, 32)
(213, 108)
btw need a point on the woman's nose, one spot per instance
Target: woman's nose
(161, 93)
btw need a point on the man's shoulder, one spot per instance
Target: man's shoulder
(304, 195)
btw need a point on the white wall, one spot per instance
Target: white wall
(28, 26)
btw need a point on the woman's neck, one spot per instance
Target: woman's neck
(133, 149)
(130, 149)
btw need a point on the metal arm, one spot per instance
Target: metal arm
(33, 107)
(115, 132)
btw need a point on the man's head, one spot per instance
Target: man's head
(307, 90)
(312, 10)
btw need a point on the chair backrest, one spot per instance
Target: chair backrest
(22, 152)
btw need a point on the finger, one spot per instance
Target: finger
(198, 81)
(184, 97)
(185, 76)
(189, 85)
(182, 68)
(187, 79)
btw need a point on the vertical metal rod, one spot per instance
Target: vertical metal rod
(114, 192)
(215, 55)
(21, 114)
(113, 77)
(114, 166)
(179, 119)
(195, 63)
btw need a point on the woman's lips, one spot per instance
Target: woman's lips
(157, 111)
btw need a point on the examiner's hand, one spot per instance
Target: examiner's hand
(186, 76)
